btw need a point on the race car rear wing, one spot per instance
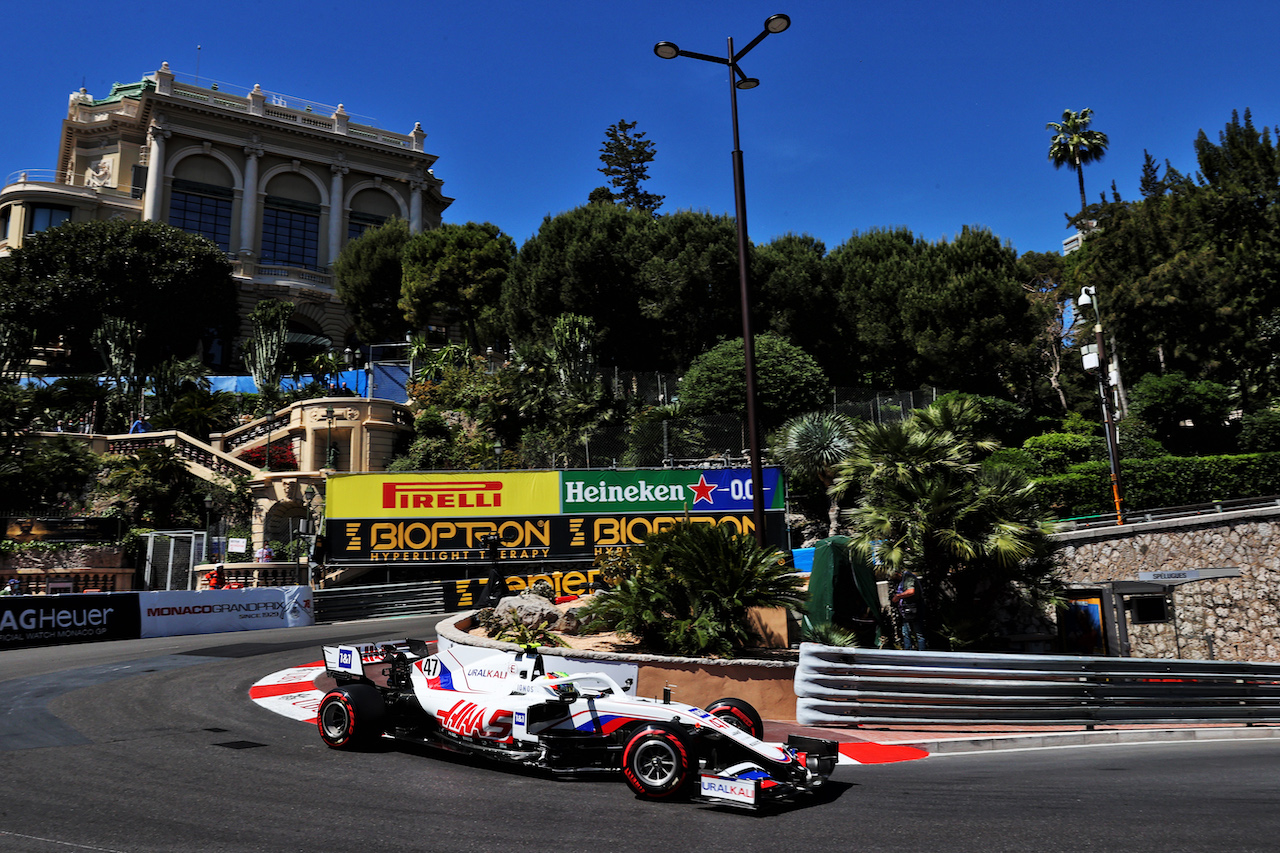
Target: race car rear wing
(350, 660)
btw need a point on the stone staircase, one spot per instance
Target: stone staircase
(203, 460)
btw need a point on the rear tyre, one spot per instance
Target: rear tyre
(658, 762)
(739, 714)
(351, 717)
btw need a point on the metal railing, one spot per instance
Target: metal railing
(368, 602)
(844, 686)
(1141, 516)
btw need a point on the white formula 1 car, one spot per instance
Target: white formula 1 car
(506, 707)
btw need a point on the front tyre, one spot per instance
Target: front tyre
(351, 717)
(739, 714)
(658, 762)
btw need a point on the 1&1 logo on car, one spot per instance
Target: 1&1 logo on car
(344, 658)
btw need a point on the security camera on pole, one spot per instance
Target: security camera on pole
(1093, 356)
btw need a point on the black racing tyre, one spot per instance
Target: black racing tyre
(658, 762)
(351, 717)
(738, 713)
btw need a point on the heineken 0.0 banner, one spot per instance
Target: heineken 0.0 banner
(532, 516)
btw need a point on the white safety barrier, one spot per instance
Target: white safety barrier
(167, 614)
(848, 686)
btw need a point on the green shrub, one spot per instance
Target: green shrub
(1260, 432)
(789, 381)
(1164, 482)
(1019, 460)
(1056, 451)
(1077, 424)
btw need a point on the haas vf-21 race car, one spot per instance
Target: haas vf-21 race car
(505, 706)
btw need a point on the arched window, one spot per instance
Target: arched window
(369, 208)
(291, 222)
(200, 200)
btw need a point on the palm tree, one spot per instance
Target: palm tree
(1073, 144)
(973, 534)
(810, 446)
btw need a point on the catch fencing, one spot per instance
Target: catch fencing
(844, 686)
(173, 559)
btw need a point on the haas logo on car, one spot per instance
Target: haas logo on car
(468, 719)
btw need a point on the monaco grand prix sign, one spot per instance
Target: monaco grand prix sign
(534, 516)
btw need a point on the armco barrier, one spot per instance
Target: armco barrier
(368, 602)
(842, 686)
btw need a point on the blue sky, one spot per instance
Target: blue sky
(928, 115)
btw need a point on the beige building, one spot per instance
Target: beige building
(278, 184)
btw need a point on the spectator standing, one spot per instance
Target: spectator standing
(908, 597)
(214, 578)
(265, 554)
(13, 587)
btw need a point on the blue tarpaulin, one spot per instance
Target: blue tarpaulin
(355, 380)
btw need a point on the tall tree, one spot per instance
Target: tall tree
(1189, 278)
(689, 285)
(1074, 145)
(585, 261)
(368, 275)
(922, 313)
(792, 292)
(456, 272)
(1041, 276)
(172, 289)
(626, 157)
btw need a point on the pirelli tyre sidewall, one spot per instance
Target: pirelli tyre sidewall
(739, 713)
(659, 762)
(351, 716)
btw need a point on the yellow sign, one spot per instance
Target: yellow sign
(467, 494)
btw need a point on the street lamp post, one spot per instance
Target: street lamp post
(739, 80)
(330, 452)
(208, 509)
(1094, 359)
(307, 528)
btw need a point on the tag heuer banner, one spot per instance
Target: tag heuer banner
(535, 515)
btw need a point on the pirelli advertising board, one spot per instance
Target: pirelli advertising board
(538, 516)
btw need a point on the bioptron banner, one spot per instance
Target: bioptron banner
(538, 515)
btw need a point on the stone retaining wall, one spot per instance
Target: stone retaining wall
(72, 569)
(1240, 617)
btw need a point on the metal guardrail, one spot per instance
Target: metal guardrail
(368, 602)
(1140, 516)
(843, 686)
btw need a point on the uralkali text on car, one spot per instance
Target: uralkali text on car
(507, 707)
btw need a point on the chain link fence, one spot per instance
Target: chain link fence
(865, 404)
(710, 441)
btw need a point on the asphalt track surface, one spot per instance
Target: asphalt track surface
(154, 745)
